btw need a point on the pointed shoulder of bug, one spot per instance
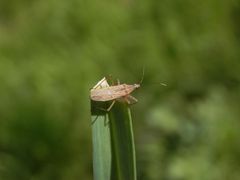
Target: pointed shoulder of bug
(101, 84)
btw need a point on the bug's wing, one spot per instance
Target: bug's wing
(105, 94)
(111, 92)
(101, 84)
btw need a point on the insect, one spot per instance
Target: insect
(102, 91)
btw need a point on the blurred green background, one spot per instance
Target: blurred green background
(52, 52)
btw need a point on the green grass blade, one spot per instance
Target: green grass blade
(101, 143)
(113, 143)
(123, 149)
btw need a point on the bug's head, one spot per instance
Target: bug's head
(136, 86)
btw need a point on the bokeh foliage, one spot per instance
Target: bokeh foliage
(52, 52)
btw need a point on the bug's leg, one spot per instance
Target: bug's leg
(131, 100)
(106, 122)
(127, 100)
(110, 107)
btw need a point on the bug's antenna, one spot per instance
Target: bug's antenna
(159, 83)
(163, 84)
(143, 73)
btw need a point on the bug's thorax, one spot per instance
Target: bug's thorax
(128, 88)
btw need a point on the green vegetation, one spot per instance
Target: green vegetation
(123, 146)
(113, 142)
(102, 153)
(52, 52)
